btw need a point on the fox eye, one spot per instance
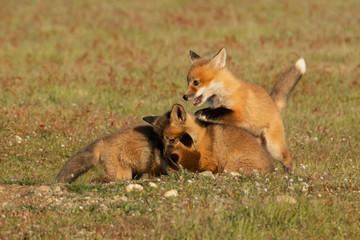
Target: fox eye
(196, 82)
(172, 140)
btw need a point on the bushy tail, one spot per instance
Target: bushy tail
(80, 163)
(286, 83)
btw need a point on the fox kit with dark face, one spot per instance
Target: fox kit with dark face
(233, 101)
(200, 146)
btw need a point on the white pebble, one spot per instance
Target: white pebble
(153, 185)
(171, 193)
(133, 187)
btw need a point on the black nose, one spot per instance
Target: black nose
(185, 97)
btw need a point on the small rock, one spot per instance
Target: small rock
(153, 185)
(44, 189)
(171, 193)
(234, 174)
(57, 189)
(18, 139)
(286, 199)
(132, 187)
(207, 174)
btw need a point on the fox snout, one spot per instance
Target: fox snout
(188, 95)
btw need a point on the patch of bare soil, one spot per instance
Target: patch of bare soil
(50, 196)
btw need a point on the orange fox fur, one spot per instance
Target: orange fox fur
(233, 101)
(214, 148)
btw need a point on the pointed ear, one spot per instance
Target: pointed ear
(178, 114)
(219, 60)
(194, 56)
(150, 119)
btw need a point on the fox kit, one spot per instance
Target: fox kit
(236, 102)
(123, 154)
(216, 147)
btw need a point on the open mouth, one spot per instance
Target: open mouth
(197, 100)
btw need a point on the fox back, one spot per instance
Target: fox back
(237, 150)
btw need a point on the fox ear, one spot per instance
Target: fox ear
(187, 140)
(194, 56)
(150, 119)
(219, 60)
(178, 114)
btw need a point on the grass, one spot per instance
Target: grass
(71, 71)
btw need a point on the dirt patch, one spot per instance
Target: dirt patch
(12, 196)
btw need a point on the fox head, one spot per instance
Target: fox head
(170, 125)
(179, 147)
(202, 82)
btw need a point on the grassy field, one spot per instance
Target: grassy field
(71, 71)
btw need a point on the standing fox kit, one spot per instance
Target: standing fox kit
(233, 101)
(204, 146)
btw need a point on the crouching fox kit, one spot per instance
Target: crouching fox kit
(123, 154)
(216, 147)
(233, 101)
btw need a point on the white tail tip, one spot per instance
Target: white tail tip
(300, 64)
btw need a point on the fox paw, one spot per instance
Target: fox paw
(201, 114)
(202, 117)
(288, 169)
(213, 114)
